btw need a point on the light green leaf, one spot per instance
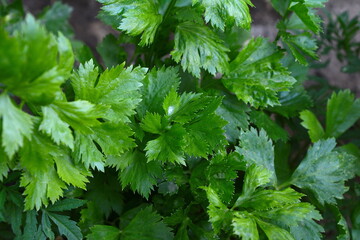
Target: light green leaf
(81, 115)
(152, 227)
(40, 178)
(256, 75)
(71, 173)
(16, 125)
(57, 129)
(224, 13)
(196, 46)
(32, 66)
(342, 112)
(267, 199)
(87, 152)
(324, 171)
(312, 124)
(117, 88)
(104, 232)
(4, 164)
(40, 187)
(113, 138)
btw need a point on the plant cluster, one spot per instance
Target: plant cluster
(198, 132)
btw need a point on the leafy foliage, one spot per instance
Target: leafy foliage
(198, 135)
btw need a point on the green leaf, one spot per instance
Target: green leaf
(324, 171)
(343, 232)
(66, 226)
(156, 86)
(255, 177)
(219, 215)
(30, 229)
(273, 130)
(143, 19)
(281, 5)
(110, 50)
(138, 17)
(40, 178)
(223, 13)
(274, 232)
(152, 227)
(196, 46)
(152, 123)
(244, 226)
(4, 164)
(221, 173)
(104, 196)
(66, 205)
(256, 75)
(293, 101)
(204, 135)
(312, 124)
(342, 112)
(234, 113)
(104, 232)
(46, 226)
(56, 18)
(138, 173)
(258, 149)
(117, 88)
(308, 228)
(167, 147)
(307, 16)
(16, 125)
(300, 45)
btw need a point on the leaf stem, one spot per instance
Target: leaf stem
(284, 185)
(166, 15)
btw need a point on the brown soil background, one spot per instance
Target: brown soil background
(91, 31)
